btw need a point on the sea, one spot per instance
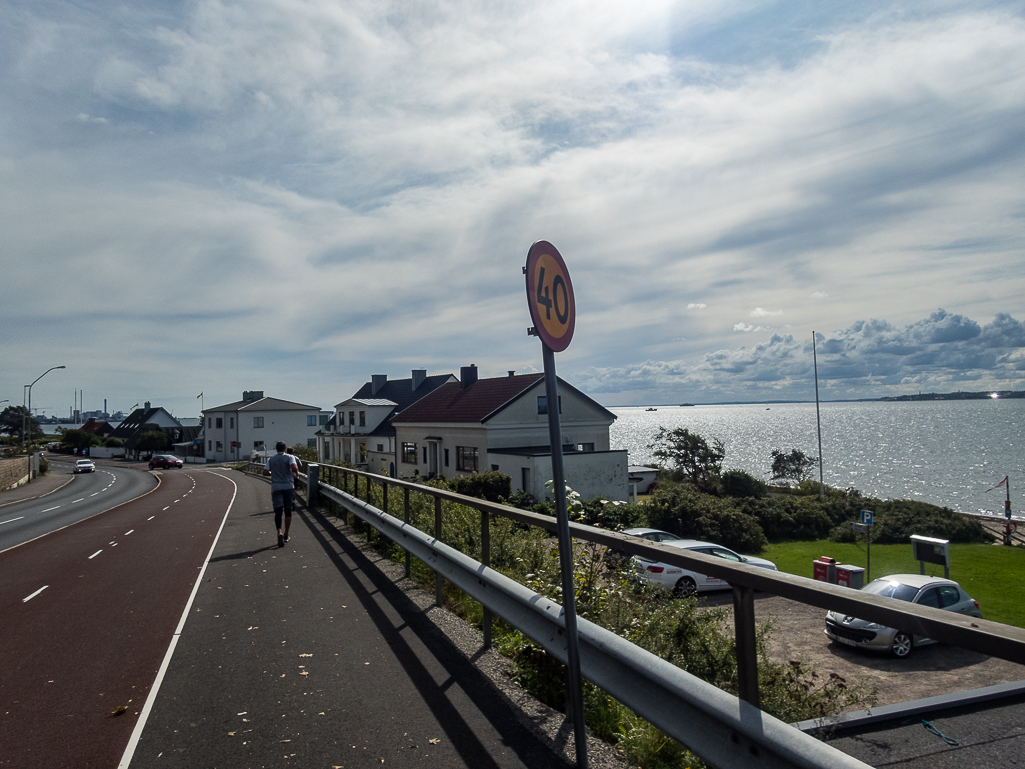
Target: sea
(944, 452)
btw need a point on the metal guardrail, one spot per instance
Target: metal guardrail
(984, 636)
(722, 729)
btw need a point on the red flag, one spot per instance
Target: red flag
(1002, 483)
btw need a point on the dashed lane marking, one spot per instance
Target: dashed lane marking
(151, 518)
(12, 520)
(30, 597)
(96, 554)
(76, 500)
(49, 509)
(129, 532)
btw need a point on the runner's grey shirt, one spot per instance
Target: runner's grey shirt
(280, 466)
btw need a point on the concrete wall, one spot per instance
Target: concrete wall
(14, 472)
(591, 473)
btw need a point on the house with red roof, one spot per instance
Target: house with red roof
(501, 423)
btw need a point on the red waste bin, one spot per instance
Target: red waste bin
(824, 569)
(850, 576)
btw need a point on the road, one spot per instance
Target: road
(85, 495)
(89, 612)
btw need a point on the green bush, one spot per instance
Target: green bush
(895, 520)
(683, 510)
(738, 483)
(492, 485)
(783, 518)
(44, 466)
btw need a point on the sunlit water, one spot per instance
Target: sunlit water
(943, 452)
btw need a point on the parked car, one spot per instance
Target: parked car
(85, 466)
(683, 581)
(164, 461)
(915, 588)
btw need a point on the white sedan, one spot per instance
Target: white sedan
(85, 466)
(685, 582)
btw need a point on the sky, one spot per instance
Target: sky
(292, 195)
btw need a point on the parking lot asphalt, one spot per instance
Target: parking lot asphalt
(309, 655)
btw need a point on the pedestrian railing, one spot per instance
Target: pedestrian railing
(724, 730)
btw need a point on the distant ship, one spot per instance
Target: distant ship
(650, 408)
(686, 404)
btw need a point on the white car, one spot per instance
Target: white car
(85, 466)
(683, 581)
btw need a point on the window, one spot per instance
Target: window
(220, 423)
(220, 445)
(425, 455)
(380, 447)
(930, 597)
(362, 419)
(466, 458)
(327, 451)
(446, 457)
(209, 445)
(352, 418)
(231, 423)
(311, 443)
(258, 445)
(495, 468)
(341, 419)
(209, 421)
(257, 421)
(585, 447)
(311, 420)
(542, 404)
(409, 453)
(323, 419)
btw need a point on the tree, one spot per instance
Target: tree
(78, 439)
(690, 454)
(152, 440)
(11, 423)
(794, 466)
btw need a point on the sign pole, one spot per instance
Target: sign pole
(575, 699)
(553, 311)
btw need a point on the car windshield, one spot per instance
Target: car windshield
(890, 589)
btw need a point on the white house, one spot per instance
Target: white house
(360, 431)
(232, 432)
(475, 425)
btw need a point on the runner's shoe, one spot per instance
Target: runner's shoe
(286, 538)
(281, 539)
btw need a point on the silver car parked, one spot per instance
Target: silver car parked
(925, 591)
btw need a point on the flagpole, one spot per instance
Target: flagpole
(818, 418)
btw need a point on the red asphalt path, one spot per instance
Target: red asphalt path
(87, 614)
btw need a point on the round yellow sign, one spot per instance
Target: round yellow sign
(550, 295)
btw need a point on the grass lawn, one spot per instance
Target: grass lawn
(992, 575)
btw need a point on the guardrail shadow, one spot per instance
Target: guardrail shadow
(499, 713)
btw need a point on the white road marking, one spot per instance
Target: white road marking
(29, 598)
(167, 508)
(96, 554)
(95, 495)
(151, 518)
(12, 520)
(129, 532)
(76, 500)
(49, 509)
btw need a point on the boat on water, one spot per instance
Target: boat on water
(686, 404)
(651, 409)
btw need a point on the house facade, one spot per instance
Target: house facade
(360, 430)
(147, 419)
(235, 431)
(475, 425)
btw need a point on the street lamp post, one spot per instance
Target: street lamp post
(24, 416)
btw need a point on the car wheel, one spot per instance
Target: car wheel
(901, 645)
(686, 587)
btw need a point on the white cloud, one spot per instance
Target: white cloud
(361, 182)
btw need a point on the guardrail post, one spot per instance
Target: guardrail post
(747, 652)
(312, 484)
(485, 558)
(405, 519)
(438, 601)
(384, 497)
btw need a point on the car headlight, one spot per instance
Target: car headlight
(873, 626)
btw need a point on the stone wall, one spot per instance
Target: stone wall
(14, 472)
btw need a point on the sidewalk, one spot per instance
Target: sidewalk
(312, 656)
(58, 475)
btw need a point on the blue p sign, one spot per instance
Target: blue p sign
(866, 517)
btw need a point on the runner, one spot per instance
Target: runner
(282, 469)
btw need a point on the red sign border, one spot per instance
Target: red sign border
(533, 254)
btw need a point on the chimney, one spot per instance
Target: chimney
(467, 375)
(512, 373)
(251, 395)
(419, 376)
(377, 382)
(147, 405)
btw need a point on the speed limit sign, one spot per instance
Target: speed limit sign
(550, 295)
